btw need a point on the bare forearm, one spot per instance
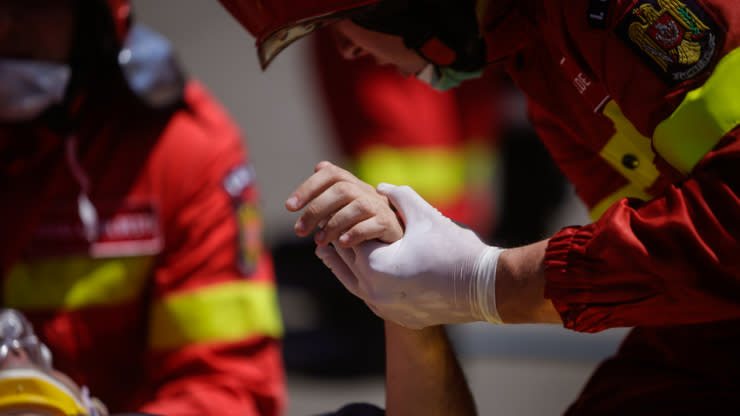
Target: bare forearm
(520, 286)
(423, 375)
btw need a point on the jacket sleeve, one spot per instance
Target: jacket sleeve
(671, 258)
(214, 323)
(670, 261)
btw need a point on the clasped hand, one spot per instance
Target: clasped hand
(436, 273)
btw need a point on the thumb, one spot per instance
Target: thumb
(410, 205)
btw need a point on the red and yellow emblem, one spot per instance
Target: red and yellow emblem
(677, 38)
(250, 237)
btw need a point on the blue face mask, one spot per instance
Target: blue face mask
(149, 66)
(28, 88)
(444, 78)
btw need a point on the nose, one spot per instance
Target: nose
(348, 49)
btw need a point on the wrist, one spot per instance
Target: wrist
(520, 286)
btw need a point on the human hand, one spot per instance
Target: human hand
(438, 273)
(345, 209)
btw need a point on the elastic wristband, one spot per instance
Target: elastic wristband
(484, 284)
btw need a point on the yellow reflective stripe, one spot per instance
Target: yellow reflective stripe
(438, 175)
(628, 144)
(481, 162)
(704, 117)
(630, 153)
(224, 312)
(75, 282)
(628, 191)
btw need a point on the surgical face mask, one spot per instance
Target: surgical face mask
(149, 66)
(28, 88)
(28, 384)
(444, 78)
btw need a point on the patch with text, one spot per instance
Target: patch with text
(678, 39)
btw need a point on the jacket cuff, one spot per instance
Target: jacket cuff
(568, 284)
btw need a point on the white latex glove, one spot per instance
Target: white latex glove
(438, 273)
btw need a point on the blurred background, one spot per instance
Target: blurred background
(522, 370)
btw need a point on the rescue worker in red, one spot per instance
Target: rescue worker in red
(131, 230)
(636, 101)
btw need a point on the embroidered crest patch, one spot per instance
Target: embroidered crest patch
(678, 39)
(238, 183)
(250, 237)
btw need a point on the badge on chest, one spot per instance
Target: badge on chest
(678, 39)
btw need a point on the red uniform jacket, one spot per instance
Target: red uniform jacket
(636, 101)
(169, 307)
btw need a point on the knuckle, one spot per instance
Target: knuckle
(363, 207)
(388, 223)
(311, 213)
(344, 187)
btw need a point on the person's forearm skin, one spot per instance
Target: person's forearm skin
(423, 376)
(520, 286)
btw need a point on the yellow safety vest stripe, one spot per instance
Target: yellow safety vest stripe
(704, 117)
(439, 175)
(481, 163)
(75, 282)
(224, 312)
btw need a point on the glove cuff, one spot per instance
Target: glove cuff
(483, 285)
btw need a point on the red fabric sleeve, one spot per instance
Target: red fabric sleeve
(200, 149)
(671, 261)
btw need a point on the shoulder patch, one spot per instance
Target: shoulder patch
(249, 222)
(237, 182)
(677, 38)
(238, 179)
